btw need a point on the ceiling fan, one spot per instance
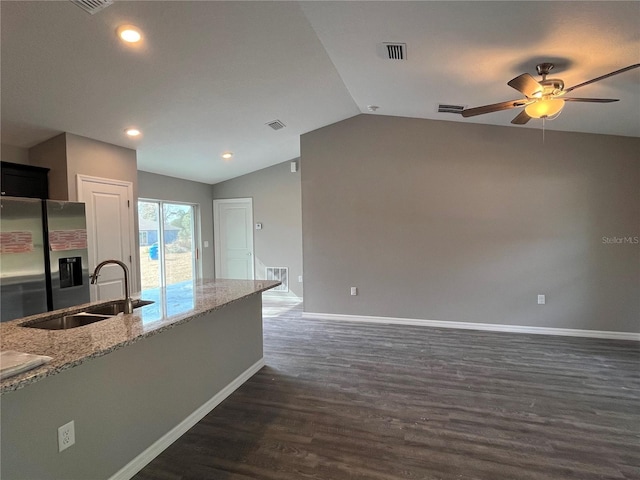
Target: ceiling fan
(544, 99)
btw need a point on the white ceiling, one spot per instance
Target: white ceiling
(209, 75)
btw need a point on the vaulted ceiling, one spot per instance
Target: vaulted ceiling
(210, 75)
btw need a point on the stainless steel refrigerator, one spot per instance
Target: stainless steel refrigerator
(43, 256)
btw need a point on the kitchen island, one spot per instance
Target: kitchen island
(132, 384)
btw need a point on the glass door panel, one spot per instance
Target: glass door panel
(179, 247)
(150, 262)
(167, 247)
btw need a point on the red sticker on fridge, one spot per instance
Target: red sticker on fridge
(61, 240)
(16, 242)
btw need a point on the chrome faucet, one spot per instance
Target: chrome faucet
(128, 304)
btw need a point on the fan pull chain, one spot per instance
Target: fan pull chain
(543, 120)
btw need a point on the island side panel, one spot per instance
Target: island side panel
(125, 401)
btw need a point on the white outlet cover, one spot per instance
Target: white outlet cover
(354, 291)
(66, 436)
(541, 299)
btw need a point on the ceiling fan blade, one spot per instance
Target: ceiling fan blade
(495, 107)
(526, 84)
(594, 100)
(521, 118)
(597, 79)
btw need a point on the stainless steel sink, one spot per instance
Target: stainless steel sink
(87, 317)
(68, 321)
(115, 307)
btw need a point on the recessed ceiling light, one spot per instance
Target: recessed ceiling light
(132, 132)
(227, 155)
(129, 33)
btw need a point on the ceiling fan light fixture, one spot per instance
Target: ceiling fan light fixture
(545, 108)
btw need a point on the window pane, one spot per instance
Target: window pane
(148, 215)
(178, 243)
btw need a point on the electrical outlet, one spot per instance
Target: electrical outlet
(300, 278)
(542, 299)
(354, 291)
(66, 436)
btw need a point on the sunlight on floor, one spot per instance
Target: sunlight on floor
(276, 304)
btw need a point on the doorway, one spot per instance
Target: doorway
(233, 238)
(109, 232)
(168, 247)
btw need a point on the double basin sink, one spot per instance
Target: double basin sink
(86, 317)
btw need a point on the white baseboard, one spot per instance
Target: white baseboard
(138, 463)
(493, 327)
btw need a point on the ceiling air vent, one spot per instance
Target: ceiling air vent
(396, 51)
(92, 6)
(276, 124)
(443, 108)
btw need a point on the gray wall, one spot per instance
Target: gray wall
(99, 159)
(67, 155)
(446, 221)
(52, 154)
(277, 205)
(10, 153)
(123, 402)
(161, 187)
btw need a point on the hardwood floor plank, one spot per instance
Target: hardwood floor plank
(341, 401)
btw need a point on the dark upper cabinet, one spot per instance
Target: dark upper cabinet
(24, 180)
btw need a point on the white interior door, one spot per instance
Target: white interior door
(233, 237)
(109, 232)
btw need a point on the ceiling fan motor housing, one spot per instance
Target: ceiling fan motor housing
(552, 86)
(544, 68)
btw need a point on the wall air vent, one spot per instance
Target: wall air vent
(443, 108)
(280, 274)
(276, 124)
(396, 51)
(92, 6)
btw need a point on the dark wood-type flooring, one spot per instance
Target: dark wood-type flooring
(362, 401)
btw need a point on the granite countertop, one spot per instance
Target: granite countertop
(172, 306)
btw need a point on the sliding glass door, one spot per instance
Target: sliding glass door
(168, 251)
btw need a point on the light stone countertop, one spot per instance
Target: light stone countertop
(70, 348)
